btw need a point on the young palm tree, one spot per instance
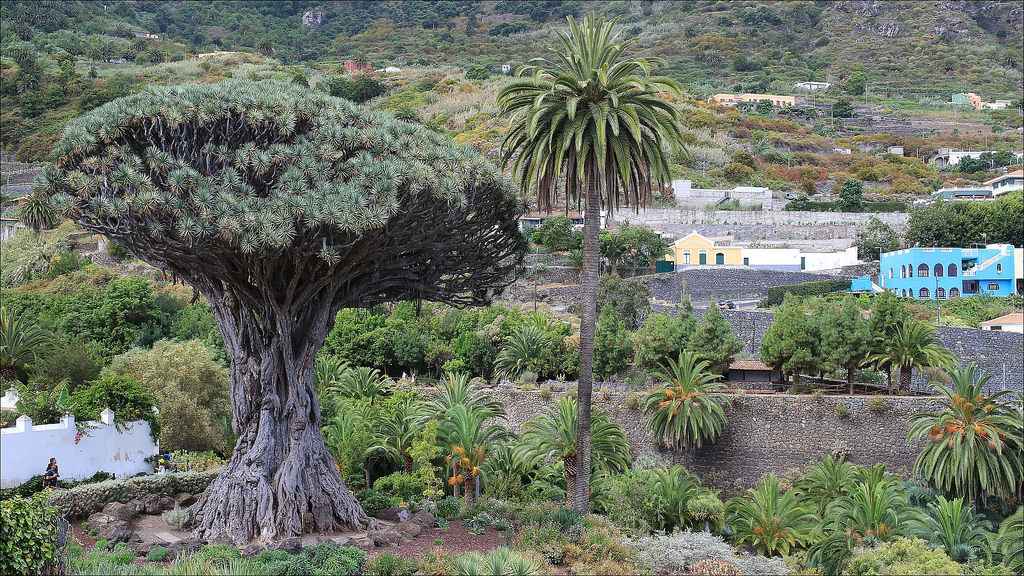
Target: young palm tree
(950, 524)
(675, 487)
(1010, 542)
(400, 426)
(974, 441)
(520, 351)
(826, 481)
(553, 434)
(349, 434)
(771, 521)
(20, 343)
(469, 439)
(595, 117)
(687, 409)
(457, 389)
(361, 383)
(36, 212)
(914, 345)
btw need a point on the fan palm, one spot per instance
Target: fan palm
(469, 439)
(596, 117)
(20, 343)
(552, 436)
(913, 345)
(520, 351)
(457, 388)
(687, 410)
(771, 521)
(949, 523)
(974, 441)
(1010, 542)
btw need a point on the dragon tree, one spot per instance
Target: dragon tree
(281, 206)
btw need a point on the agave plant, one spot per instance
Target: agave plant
(552, 436)
(771, 521)
(950, 524)
(687, 411)
(1010, 542)
(974, 447)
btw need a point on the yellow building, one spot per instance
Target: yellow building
(697, 250)
(734, 99)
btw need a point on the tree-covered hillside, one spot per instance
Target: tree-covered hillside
(710, 45)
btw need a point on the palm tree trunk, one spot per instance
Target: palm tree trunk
(888, 380)
(467, 487)
(905, 375)
(407, 463)
(588, 328)
(569, 463)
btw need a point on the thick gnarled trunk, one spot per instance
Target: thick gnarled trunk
(280, 481)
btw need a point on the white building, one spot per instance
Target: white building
(1009, 182)
(812, 85)
(950, 157)
(1009, 323)
(795, 259)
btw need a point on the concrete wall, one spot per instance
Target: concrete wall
(764, 433)
(26, 449)
(789, 258)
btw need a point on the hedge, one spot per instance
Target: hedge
(868, 207)
(84, 500)
(777, 293)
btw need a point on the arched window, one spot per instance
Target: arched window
(999, 268)
(910, 271)
(719, 258)
(922, 271)
(903, 271)
(951, 271)
(903, 293)
(924, 293)
(890, 273)
(938, 270)
(940, 293)
(954, 292)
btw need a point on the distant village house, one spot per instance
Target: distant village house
(812, 85)
(734, 99)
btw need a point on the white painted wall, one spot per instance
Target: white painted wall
(26, 449)
(789, 258)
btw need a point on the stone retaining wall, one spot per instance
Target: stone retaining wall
(765, 433)
(730, 282)
(997, 353)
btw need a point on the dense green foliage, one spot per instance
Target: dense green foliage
(28, 536)
(776, 294)
(961, 224)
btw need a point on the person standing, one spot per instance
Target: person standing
(51, 475)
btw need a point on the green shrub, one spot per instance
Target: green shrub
(901, 556)
(388, 565)
(219, 555)
(842, 410)
(448, 507)
(157, 554)
(28, 536)
(327, 558)
(372, 501)
(122, 554)
(402, 486)
(776, 294)
(81, 501)
(878, 405)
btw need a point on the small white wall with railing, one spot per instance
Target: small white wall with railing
(26, 449)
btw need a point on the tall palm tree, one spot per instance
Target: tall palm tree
(687, 411)
(552, 435)
(913, 345)
(974, 440)
(20, 343)
(596, 117)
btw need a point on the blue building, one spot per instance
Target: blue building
(942, 273)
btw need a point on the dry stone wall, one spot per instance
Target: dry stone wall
(734, 282)
(765, 433)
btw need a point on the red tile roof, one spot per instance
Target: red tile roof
(749, 365)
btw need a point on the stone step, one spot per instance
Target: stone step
(167, 537)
